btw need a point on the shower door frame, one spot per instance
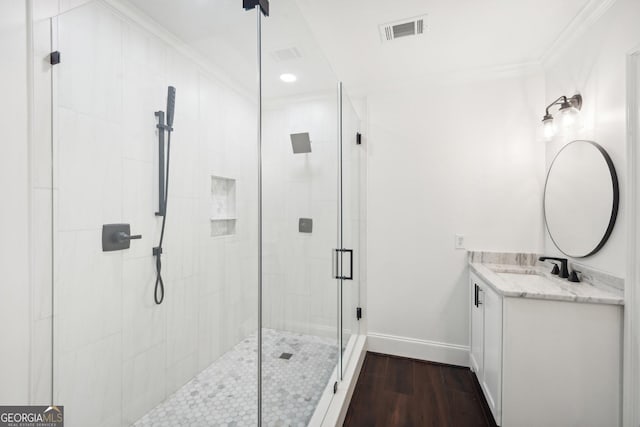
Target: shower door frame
(258, 10)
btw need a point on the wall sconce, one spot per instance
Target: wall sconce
(569, 114)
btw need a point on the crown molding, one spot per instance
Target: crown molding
(587, 16)
(452, 77)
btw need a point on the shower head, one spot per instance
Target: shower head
(171, 105)
(300, 143)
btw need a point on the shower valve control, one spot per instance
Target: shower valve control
(116, 237)
(122, 236)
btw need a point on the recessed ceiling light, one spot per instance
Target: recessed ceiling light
(288, 77)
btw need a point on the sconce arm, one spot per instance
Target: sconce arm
(556, 102)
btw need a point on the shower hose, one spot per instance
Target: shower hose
(158, 293)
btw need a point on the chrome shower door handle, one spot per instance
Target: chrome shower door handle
(338, 261)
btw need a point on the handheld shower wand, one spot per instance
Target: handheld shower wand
(171, 106)
(163, 194)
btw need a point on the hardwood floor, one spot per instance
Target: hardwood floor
(394, 391)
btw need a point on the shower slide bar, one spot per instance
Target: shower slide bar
(161, 193)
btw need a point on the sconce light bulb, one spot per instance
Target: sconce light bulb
(548, 126)
(570, 118)
(549, 129)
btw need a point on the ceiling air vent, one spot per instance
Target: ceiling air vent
(404, 28)
(287, 54)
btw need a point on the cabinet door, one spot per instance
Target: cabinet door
(492, 369)
(477, 328)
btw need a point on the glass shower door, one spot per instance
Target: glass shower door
(351, 188)
(120, 357)
(300, 348)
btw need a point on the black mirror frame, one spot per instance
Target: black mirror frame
(614, 207)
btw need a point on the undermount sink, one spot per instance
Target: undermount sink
(531, 279)
(526, 276)
(515, 270)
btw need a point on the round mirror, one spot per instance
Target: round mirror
(581, 199)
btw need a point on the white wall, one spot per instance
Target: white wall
(14, 181)
(631, 366)
(594, 65)
(457, 158)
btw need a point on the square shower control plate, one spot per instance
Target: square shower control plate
(300, 142)
(110, 241)
(305, 225)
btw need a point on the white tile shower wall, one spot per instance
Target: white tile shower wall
(299, 292)
(594, 65)
(110, 336)
(447, 159)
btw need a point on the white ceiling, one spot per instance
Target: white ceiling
(226, 35)
(460, 35)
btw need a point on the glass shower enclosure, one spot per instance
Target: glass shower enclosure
(206, 253)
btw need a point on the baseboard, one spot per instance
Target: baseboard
(453, 354)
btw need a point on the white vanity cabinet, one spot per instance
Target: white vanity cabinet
(544, 362)
(486, 342)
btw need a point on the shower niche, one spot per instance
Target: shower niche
(223, 206)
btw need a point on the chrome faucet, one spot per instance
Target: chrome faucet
(564, 268)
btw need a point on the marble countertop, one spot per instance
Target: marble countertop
(534, 281)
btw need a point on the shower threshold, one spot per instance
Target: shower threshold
(225, 393)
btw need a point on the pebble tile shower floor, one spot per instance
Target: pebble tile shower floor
(224, 394)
